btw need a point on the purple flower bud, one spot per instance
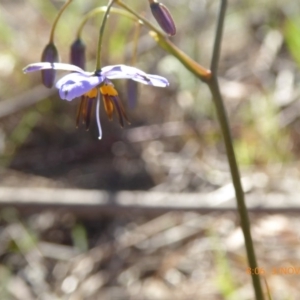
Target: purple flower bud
(77, 55)
(163, 17)
(49, 54)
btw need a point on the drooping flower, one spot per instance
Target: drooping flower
(91, 85)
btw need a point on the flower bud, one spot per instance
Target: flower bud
(163, 17)
(77, 55)
(49, 54)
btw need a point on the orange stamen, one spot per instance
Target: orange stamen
(108, 90)
(92, 93)
(89, 108)
(84, 108)
(79, 110)
(108, 106)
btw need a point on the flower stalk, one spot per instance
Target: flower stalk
(100, 10)
(101, 32)
(201, 72)
(51, 40)
(139, 17)
(213, 85)
(50, 53)
(132, 87)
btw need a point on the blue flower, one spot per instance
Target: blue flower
(91, 85)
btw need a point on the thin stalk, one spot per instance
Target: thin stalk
(242, 209)
(56, 20)
(101, 32)
(168, 46)
(141, 18)
(218, 38)
(98, 10)
(224, 124)
(135, 43)
(199, 71)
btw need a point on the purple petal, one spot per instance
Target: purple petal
(56, 66)
(75, 85)
(150, 79)
(122, 71)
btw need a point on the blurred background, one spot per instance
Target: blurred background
(148, 212)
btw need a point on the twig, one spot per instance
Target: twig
(92, 203)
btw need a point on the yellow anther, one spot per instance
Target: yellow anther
(92, 93)
(108, 90)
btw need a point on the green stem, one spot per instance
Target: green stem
(56, 20)
(213, 85)
(98, 10)
(135, 43)
(218, 38)
(168, 46)
(242, 209)
(141, 18)
(201, 72)
(101, 32)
